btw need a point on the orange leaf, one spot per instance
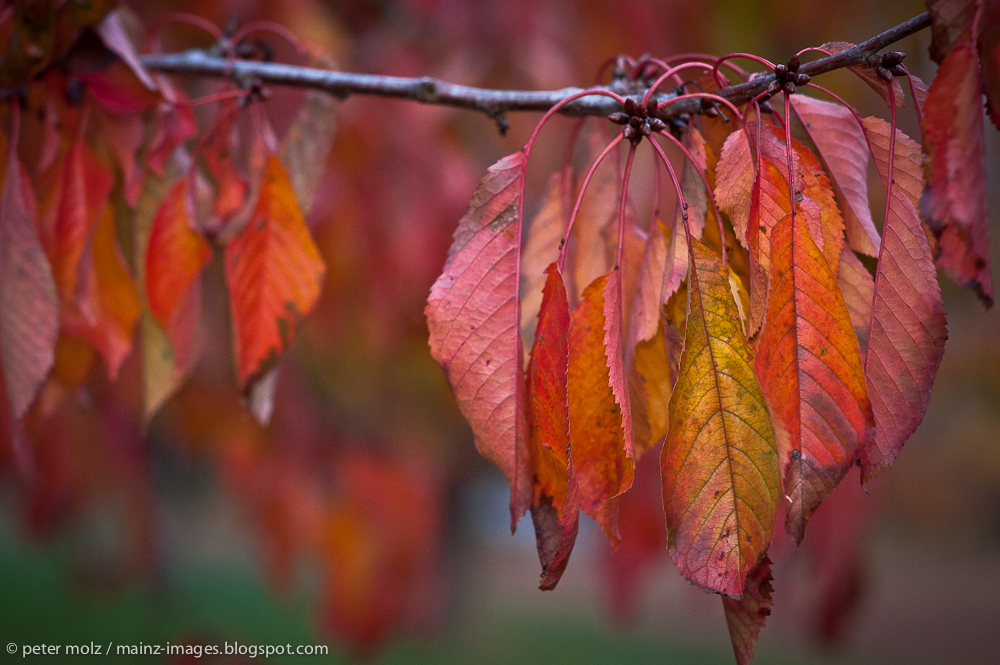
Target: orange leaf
(472, 316)
(175, 257)
(601, 455)
(858, 287)
(816, 188)
(809, 365)
(542, 247)
(109, 307)
(274, 273)
(719, 464)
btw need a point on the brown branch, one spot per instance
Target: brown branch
(494, 103)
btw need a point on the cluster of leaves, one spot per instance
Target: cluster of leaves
(120, 194)
(763, 327)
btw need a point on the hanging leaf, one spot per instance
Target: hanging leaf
(816, 189)
(719, 464)
(542, 248)
(908, 161)
(274, 273)
(29, 305)
(745, 617)
(844, 150)
(955, 201)
(175, 257)
(809, 365)
(555, 507)
(601, 455)
(950, 21)
(472, 315)
(908, 331)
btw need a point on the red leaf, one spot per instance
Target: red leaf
(173, 125)
(908, 331)
(472, 315)
(274, 273)
(542, 247)
(113, 34)
(86, 184)
(29, 314)
(908, 162)
(955, 201)
(809, 365)
(175, 257)
(844, 150)
(555, 508)
(858, 287)
(602, 457)
(746, 616)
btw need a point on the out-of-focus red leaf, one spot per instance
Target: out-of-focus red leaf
(173, 125)
(719, 464)
(86, 184)
(108, 307)
(842, 146)
(593, 251)
(867, 74)
(29, 304)
(809, 365)
(124, 135)
(954, 204)
(640, 520)
(746, 616)
(472, 317)
(113, 33)
(906, 342)
(950, 21)
(555, 508)
(274, 273)
(175, 257)
(601, 456)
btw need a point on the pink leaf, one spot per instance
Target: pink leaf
(472, 316)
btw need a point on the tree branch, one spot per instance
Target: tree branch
(494, 103)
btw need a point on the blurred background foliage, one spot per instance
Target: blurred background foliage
(362, 517)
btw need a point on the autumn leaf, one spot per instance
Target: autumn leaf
(601, 455)
(989, 60)
(306, 145)
(817, 190)
(472, 315)
(809, 365)
(108, 303)
(86, 185)
(541, 248)
(858, 288)
(29, 304)
(274, 273)
(954, 203)
(719, 463)
(745, 617)
(842, 147)
(555, 507)
(175, 256)
(906, 342)
(908, 160)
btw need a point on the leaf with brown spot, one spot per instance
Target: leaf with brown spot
(719, 464)
(745, 617)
